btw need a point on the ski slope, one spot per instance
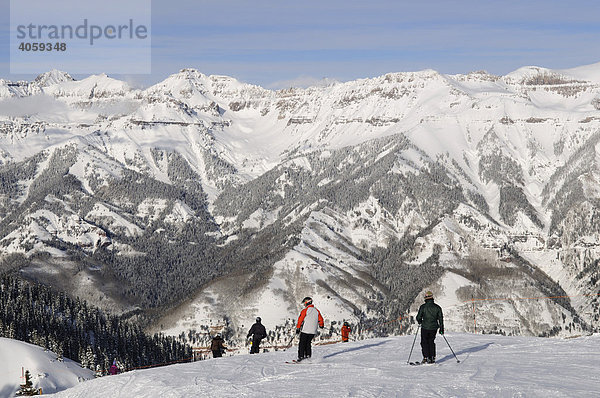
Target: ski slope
(46, 371)
(490, 366)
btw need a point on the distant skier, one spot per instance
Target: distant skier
(309, 319)
(114, 369)
(217, 346)
(346, 332)
(258, 332)
(430, 317)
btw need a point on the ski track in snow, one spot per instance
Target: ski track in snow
(490, 366)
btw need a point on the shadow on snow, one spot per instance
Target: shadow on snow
(465, 351)
(362, 347)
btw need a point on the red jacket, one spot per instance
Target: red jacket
(345, 332)
(308, 319)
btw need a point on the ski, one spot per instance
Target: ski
(296, 360)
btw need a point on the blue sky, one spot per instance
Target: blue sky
(278, 43)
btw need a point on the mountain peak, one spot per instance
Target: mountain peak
(538, 75)
(189, 73)
(188, 84)
(53, 77)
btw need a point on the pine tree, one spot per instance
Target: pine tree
(27, 388)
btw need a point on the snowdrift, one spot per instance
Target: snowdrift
(46, 371)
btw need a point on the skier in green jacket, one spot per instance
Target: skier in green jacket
(430, 317)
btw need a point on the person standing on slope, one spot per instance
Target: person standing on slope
(217, 347)
(430, 317)
(345, 332)
(258, 332)
(114, 369)
(310, 318)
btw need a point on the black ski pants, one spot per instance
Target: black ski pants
(428, 343)
(304, 349)
(255, 344)
(217, 354)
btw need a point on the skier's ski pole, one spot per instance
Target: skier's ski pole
(413, 345)
(289, 344)
(444, 336)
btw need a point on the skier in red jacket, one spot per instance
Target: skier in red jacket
(345, 332)
(309, 319)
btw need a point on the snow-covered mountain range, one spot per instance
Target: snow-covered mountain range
(205, 201)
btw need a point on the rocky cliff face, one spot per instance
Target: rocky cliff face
(225, 200)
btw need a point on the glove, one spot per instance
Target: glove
(441, 331)
(321, 327)
(297, 330)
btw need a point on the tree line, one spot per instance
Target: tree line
(72, 328)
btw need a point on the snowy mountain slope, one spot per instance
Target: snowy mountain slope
(490, 365)
(47, 372)
(361, 194)
(585, 72)
(458, 237)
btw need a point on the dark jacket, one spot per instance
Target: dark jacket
(217, 344)
(258, 331)
(430, 316)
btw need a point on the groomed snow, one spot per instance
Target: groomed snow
(490, 366)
